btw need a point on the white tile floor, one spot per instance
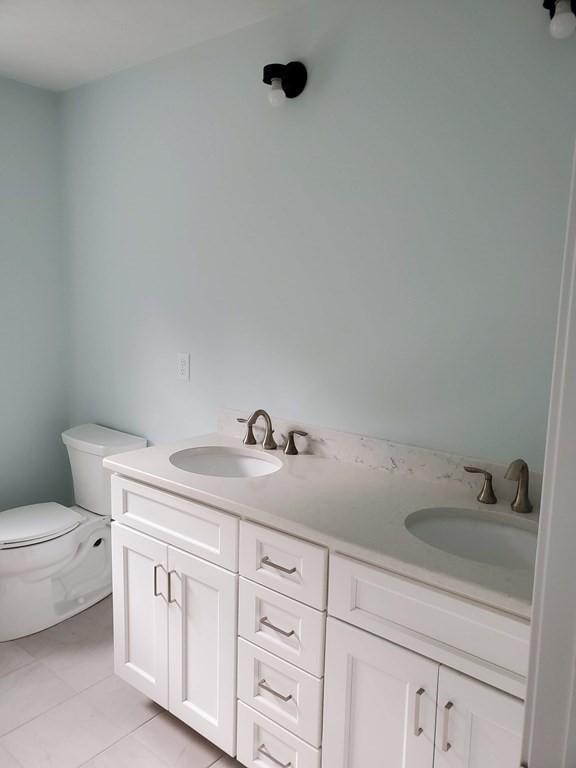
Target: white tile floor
(61, 706)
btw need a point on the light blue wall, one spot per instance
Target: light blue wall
(33, 401)
(381, 255)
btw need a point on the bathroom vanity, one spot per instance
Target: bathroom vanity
(293, 620)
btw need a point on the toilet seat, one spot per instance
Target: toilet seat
(36, 523)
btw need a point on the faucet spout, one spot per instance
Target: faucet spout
(518, 471)
(268, 443)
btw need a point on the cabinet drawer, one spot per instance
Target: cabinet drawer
(283, 626)
(195, 528)
(287, 695)
(263, 744)
(289, 565)
(384, 603)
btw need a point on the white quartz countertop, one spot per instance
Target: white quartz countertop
(352, 510)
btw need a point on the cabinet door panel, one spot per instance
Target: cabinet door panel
(139, 573)
(482, 728)
(203, 621)
(377, 698)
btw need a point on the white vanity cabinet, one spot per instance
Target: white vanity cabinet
(388, 707)
(175, 626)
(305, 658)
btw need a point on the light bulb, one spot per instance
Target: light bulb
(276, 95)
(563, 23)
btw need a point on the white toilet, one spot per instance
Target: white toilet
(55, 560)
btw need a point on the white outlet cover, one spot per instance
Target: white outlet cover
(183, 366)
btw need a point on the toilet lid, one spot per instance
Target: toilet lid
(26, 525)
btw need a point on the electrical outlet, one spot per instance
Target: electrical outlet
(183, 366)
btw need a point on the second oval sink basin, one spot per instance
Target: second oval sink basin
(481, 536)
(218, 461)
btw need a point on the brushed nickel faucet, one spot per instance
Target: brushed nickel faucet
(268, 443)
(486, 495)
(518, 470)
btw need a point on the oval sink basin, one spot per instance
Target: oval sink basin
(219, 461)
(480, 536)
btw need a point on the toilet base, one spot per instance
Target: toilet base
(44, 584)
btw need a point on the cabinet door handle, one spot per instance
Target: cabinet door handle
(156, 593)
(170, 587)
(266, 623)
(265, 687)
(417, 729)
(262, 749)
(445, 743)
(266, 561)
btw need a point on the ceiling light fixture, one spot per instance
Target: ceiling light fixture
(286, 81)
(562, 17)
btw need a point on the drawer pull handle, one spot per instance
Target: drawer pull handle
(417, 729)
(264, 751)
(265, 623)
(265, 687)
(266, 561)
(445, 743)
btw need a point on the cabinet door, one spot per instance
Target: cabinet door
(203, 624)
(477, 726)
(379, 703)
(140, 580)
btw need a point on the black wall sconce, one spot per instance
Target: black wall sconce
(562, 17)
(286, 81)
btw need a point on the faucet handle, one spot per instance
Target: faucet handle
(486, 495)
(290, 447)
(249, 438)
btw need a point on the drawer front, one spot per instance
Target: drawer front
(263, 744)
(195, 528)
(382, 602)
(289, 565)
(287, 695)
(293, 631)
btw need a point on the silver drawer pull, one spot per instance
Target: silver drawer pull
(266, 561)
(265, 687)
(265, 623)
(417, 729)
(445, 743)
(264, 751)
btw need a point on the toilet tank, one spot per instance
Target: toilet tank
(87, 446)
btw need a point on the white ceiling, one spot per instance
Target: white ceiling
(58, 44)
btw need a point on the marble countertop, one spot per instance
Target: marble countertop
(351, 509)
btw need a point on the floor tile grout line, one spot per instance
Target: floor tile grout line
(116, 741)
(97, 682)
(40, 714)
(218, 759)
(53, 706)
(112, 743)
(17, 669)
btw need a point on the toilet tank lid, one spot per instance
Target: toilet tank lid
(103, 441)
